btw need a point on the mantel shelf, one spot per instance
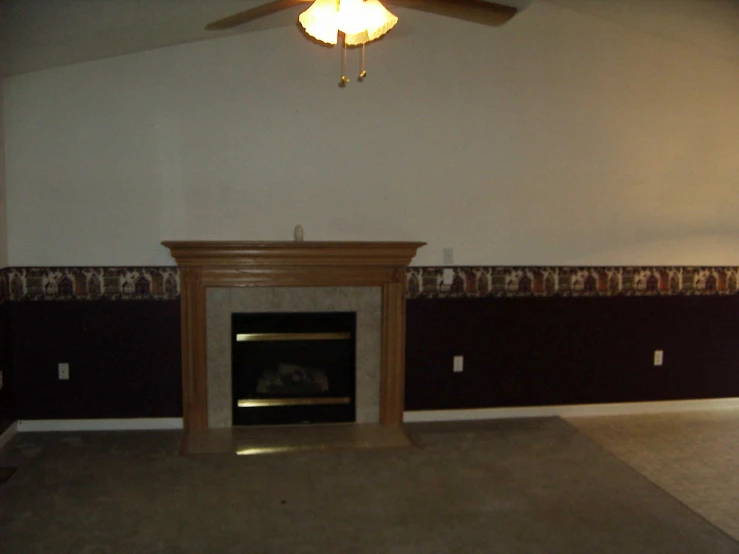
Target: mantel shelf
(255, 254)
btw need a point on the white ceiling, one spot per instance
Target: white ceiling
(41, 34)
(710, 25)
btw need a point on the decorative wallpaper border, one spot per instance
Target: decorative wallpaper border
(476, 282)
(162, 283)
(89, 283)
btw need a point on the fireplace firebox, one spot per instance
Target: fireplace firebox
(293, 368)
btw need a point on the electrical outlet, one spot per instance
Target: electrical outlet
(448, 256)
(63, 371)
(458, 364)
(659, 357)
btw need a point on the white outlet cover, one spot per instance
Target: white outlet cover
(659, 357)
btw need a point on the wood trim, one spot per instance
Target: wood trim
(297, 276)
(392, 377)
(280, 264)
(269, 255)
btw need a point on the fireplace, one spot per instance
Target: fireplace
(208, 268)
(293, 368)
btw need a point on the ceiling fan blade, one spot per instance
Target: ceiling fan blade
(250, 15)
(476, 11)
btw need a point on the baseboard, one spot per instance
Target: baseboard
(574, 410)
(133, 424)
(8, 434)
(568, 410)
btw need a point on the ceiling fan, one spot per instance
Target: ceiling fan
(358, 22)
(476, 11)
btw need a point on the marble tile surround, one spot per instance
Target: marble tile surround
(222, 302)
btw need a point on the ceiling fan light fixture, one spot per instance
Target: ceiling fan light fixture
(361, 21)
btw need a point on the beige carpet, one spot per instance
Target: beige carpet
(531, 486)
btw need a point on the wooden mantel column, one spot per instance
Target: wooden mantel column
(291, 264)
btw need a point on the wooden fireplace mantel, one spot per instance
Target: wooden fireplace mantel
(290, 264)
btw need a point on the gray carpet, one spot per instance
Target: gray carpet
(522, 486)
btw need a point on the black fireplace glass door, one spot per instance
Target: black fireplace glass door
(293, 367)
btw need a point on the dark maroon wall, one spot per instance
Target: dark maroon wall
(124, 359)
(545, 351)
(125, 355)
(7, 396)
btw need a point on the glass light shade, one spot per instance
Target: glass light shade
(361, 21)
(321, 21)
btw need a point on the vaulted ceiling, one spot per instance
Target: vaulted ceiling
(42, 34)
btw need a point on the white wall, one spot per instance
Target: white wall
(557, 139)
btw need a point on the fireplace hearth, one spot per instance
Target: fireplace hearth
(293, 368)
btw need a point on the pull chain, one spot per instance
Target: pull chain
(362, 72)
(344, 78)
